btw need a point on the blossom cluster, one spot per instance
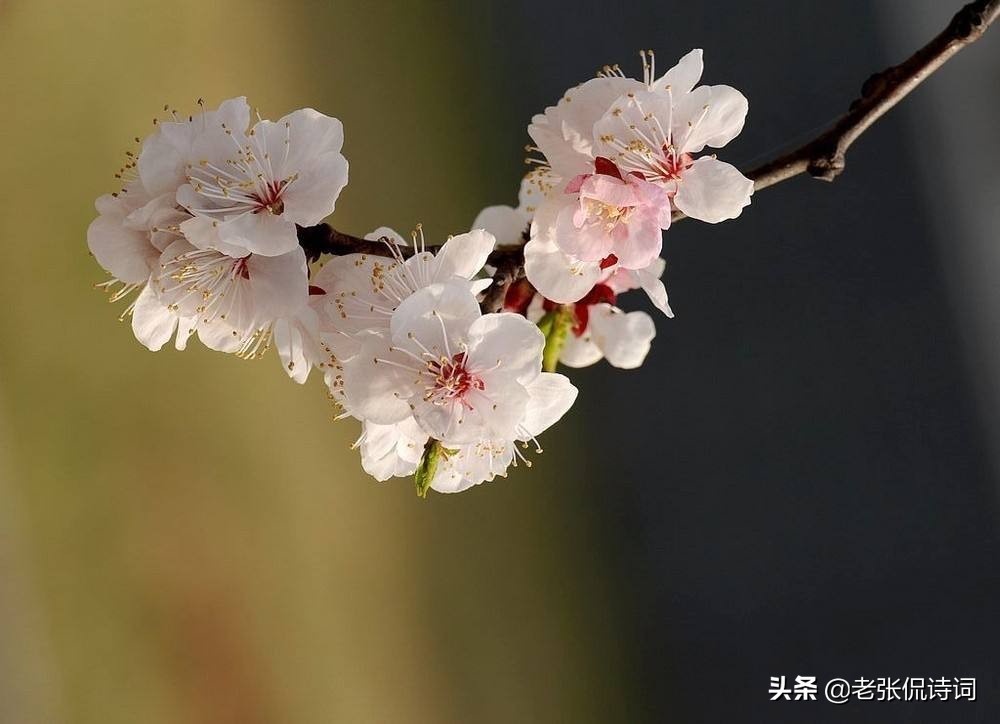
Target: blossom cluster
(204, 239)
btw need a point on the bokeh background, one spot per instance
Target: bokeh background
(801, 480)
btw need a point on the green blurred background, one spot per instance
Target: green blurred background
(186, 537)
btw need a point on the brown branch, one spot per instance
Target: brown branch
(509, 269)
(823, 157)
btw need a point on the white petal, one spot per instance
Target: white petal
(152, 322)
(224, 335)
(506, 224)
(438, 316)
(203, 233)
(683, 76)
(391, 450)
(310, 135)
(580, 351)
(624, 339)
(710, 115)
(536, 185)
(713, 191)
(313, 195)
(480, 285)
(509, 342)
(634, 119)
(565, 132)
(126, 253)
(451, 480)
(557, 276)
(551, 397)
(463, 255)
(452, 475)
(297, 342)
(264, 233)
(355, 297)
(494, 412)
(185, 328)
(165, 154)
(280, 285)
(377, 391)
(649, 281)
(384, 232)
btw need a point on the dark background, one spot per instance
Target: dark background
(799, 481)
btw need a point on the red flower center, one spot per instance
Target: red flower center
(601, 293)
(270, 199)
(452, 381)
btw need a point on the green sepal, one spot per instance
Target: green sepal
(556, 325)
(434, 452)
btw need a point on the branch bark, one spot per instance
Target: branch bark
(824, 157)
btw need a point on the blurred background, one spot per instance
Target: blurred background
(802, 480)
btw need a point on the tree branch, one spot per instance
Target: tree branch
(823, 157)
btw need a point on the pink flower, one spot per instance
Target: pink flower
(613, 214)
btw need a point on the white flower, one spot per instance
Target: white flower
(165, 154)
(460, 374)
(233, 302)
(564, 133)
(550, 396)
(363, 291)
(609, 143)
(394, 450)
(131, 230)
(608, 215)
(127, 238)
(655, 133)
(248, 187)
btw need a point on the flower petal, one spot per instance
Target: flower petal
(261, 233)
(556, 275)
(581, 238)
(564, 133)
(374, 390)
(296, 340)
(507, 342)
(710, 115)
(309, 134)
(649, 281)
(624, 339)
(391, 450)
(551, 397)
(125, 252)
(463, 255)
(580, 351)
(313, 195)
(280, 284)
(152, 322)
(437, 316)
(683, 76)
(507, 224)
(713, 191)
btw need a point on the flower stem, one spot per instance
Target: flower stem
(556, 325)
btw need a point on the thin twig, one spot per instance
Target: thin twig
(509, 270)
(823, 157)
